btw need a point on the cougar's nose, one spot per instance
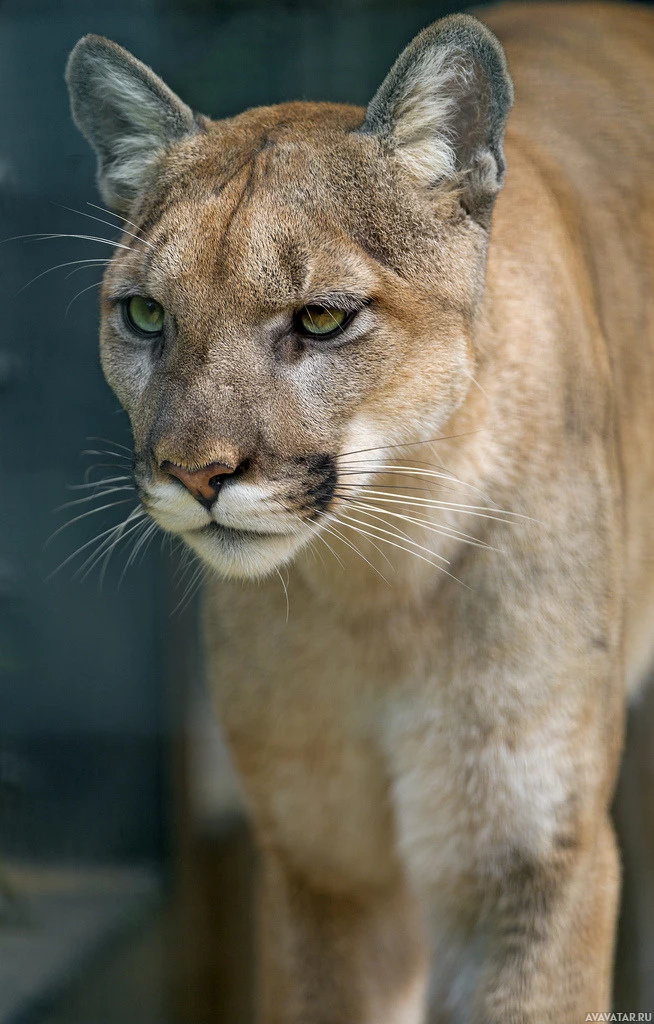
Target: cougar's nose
(203, 483)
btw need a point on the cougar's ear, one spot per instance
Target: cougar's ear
(443, 106)
(126, 113)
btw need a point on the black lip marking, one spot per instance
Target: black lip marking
(323, 477)
(232, 534)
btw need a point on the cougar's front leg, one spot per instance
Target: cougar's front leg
(549, 938)
(338, 958)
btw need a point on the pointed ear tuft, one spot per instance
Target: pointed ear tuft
(127, 114)
(442, 109)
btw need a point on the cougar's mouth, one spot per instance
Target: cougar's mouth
(241, 553)
(252, 527)
(236, 533)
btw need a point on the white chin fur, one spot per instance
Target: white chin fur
(246, 556)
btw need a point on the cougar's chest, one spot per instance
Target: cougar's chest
(364, 750)
(299, 701)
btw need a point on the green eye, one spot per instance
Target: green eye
(144, 315)
(321, 321)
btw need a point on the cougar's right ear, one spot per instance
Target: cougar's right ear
(127, 114)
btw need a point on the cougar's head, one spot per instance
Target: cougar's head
(295, 288)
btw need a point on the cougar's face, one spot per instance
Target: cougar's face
(276, 320)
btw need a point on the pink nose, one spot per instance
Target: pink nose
(203, 483)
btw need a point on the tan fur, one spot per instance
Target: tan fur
(428, 756)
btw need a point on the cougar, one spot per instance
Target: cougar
(403, 358)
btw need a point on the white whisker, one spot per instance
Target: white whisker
(104, 552)
(43, 236)
(118, 216)
(400, 547)
(401, 535)
(99, 465)
(97, 483)
(478, 385)
(284, 585)
(316, 552)
(93, 497)
(60, 266)
(343, 540)
(318, 536)
(96, 284)
(139, 543)
(474, 510)
(191, 590)
(445, 531)
(409, 444)
(134, 514)
(107, 440)
(77, 269)
(100, 220)
(83, 515)
(413, 471)
(104, 451)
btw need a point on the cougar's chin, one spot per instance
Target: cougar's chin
(242, 554)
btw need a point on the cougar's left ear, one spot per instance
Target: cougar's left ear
(442, 109)
(127, 114)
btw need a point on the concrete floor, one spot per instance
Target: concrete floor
(126, 984)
